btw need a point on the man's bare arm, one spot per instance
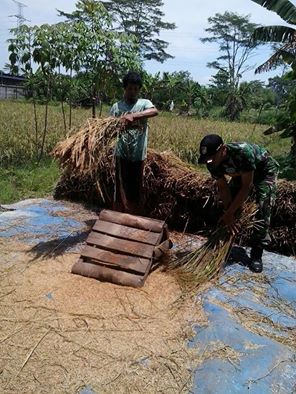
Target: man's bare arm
(246, 185)
(224, 192)
(148, 113)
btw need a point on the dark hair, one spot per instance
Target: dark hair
(132, 77)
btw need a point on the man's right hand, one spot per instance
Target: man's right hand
(127, 119)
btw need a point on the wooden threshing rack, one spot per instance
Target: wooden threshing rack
(123, 248)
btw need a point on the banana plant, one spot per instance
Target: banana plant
(286, 37)
(283, 35)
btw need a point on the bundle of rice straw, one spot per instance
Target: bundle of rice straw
(85, 151)
(205, 263)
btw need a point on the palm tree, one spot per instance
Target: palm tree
(286, 37)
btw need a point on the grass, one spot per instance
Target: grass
(28, 181)
(21, 178)
(183, 135)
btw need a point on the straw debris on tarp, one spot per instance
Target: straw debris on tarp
(174, 191)
(205, 263)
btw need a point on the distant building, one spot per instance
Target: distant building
(11, 86)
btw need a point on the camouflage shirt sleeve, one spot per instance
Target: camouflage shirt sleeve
(247, 158)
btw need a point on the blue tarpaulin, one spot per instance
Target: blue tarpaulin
(248, 344)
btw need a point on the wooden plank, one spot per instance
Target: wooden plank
(136, 264)
(125, 232)
(106, 274)
(113, 244)
(132, 221)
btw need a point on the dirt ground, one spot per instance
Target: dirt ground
(61, 333)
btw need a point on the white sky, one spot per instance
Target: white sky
(190, 17)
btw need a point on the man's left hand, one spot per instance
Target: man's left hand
(128, 118)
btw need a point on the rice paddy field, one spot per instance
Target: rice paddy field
(22, 177)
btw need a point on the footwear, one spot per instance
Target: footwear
(256, 265)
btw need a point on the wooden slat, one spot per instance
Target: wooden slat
(126, 262)
(120, 246)
(106, 274)
(132, 221)
(125, 232)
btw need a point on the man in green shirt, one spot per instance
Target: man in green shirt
(131, 148)
(248, 165)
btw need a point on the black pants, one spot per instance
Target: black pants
(128, 186)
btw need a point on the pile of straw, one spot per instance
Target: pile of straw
(174, 190)
(199, 266)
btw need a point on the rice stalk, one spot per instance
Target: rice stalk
(201, 265)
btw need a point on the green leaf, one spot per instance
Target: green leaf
(284, 8)
(288, 132)
(274, 34)
(13, 58)
(283, 55)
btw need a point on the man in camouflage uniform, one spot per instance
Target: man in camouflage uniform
(247, 165)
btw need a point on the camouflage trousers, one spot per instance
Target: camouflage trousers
(265, 195)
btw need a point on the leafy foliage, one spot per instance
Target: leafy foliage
(232, 32)
(144, 20)
(286, 121)
(284, 8)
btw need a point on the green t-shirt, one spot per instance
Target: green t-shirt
(132, 145)
(245, 157)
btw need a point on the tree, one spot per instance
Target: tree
(286, 36)
(219, 88)
(143, 19)
(232, 32)
(281, 87)
(100, 51)
(21, 47)
(256, 94)
(85, 42)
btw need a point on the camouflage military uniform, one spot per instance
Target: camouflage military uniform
(245, 157)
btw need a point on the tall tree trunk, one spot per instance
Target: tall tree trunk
(70, 102)
(258, 117)
(293, 149)
(64, 119)
(45, 123)
(62, 102)
(101, 105)
(93, 102)
(36, 126)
